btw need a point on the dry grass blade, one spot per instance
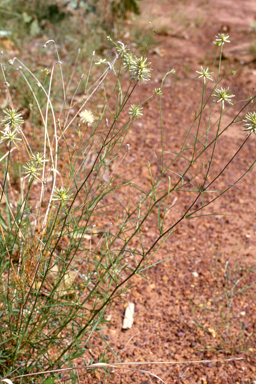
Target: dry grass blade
(133, 363)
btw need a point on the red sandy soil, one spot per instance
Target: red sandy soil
(195, 306)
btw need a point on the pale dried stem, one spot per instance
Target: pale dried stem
(120, 365)
(99, 81)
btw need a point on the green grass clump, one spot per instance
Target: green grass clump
(51, 19)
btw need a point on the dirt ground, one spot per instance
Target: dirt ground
(200, 305)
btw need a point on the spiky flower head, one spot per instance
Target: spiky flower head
(221, 39)
(12, 118)
(121, 48)
(158, 91)
(128, 61)
(62, 195)
(101, 61)
(10, 135)
(123, 51)
(205, 74)
(38, 159)
(250, 120)
(136, 111)
(32, 170)
(46, 71)
(139, 70)
(223, 96)
(86, 117)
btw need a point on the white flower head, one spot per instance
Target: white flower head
(223, 96)
(10, 135)
(250, 120)
(101, 61)
(32, 170)
(12, 118)
(139, 70)
(221, 39)
(205, 74)
(86, 117)
(38, 159)
(135, 111)
(46, 71)
(122, 50)
(158, 91)
(62, 195)
(128, 60)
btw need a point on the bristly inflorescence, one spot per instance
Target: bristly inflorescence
(138, 67)
(205, 74)
(101, 61)
(158, 91)
(250, 120)
(12, 118)
(128, 60)
(11, 121)
(136, 111)
(62, 195)
(10, 136)
(38, 159)
(139, 70)
(223, 95)
(86, 117)
(32, 169)
(221, 38)
(34, 166)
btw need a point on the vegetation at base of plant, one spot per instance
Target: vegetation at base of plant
(219, 316)
(73, 224)
(252, 48)
(73, 372)
(51, 18)
(120, 8)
